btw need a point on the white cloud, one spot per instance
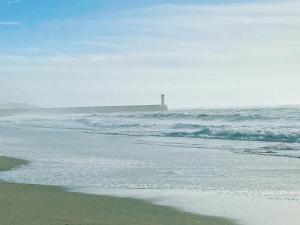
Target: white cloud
(9, 23)
(14, 1)
(246, 53)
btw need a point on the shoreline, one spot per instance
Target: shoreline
(38, 204)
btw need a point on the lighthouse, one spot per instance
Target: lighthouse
(162, 100)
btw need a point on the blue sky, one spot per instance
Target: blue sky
(32, 11)
(20, 15)
(92, 52)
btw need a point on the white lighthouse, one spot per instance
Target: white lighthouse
(162, 100)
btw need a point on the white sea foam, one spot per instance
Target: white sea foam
(261, 208)
(255, 179)
(273, 126)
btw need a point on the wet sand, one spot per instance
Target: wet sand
(23, 204)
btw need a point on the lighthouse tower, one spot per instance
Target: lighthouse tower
(162, 100)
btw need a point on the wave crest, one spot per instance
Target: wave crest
(237, 135)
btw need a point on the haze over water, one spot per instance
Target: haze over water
(214, 53)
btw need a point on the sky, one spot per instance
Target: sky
(198, 53)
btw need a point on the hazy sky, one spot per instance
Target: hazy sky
(199, 53)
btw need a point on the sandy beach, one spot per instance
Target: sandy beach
(199, 176)
(23, 204)
(154, 112)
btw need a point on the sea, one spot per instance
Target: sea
(238, 163)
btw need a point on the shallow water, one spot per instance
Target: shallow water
(252, 176)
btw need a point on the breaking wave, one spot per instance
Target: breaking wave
(194, 115)
(237, 135)
(271, 125)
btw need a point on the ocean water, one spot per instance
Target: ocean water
(264, 131)
(222, 162)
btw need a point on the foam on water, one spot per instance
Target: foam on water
(274, 126)
(238, 163)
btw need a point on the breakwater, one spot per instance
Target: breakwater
(85, 110)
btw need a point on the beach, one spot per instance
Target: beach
(240, 164)
(153, 112)
(23, 204)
